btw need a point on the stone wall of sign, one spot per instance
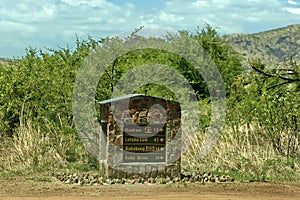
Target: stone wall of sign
(143, 137)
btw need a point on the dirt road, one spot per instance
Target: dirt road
(36, 189)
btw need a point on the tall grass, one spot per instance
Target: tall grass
(244, 152)
(30, 148)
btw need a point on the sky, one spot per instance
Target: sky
(46, 24)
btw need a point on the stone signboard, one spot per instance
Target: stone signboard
(140, 136)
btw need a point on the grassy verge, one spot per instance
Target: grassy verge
(244, 156)
(31, 151)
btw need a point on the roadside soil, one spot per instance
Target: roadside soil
(25, 188)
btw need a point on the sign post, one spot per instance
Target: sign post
(144, 144)
(143, 137)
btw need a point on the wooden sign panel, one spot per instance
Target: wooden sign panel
(144, 143)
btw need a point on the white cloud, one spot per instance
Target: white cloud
(49, 10)
(51, 23)
(42, 23)
(89, 3)
(292, 2)
(170, 18)
(295, 11)
(230, 15)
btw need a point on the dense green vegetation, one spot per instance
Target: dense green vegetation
(260, 139)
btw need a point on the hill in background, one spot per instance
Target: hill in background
(272, 47)
(3, 61)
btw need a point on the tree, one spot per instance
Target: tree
(267, 100)
(226, 59)
(39, 86)
(224, 56)
(290, 74)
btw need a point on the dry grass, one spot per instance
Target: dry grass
(242, 148)
(28, 148)
(31, 149)
(243, 151)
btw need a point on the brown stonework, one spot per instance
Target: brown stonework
(143, 137)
